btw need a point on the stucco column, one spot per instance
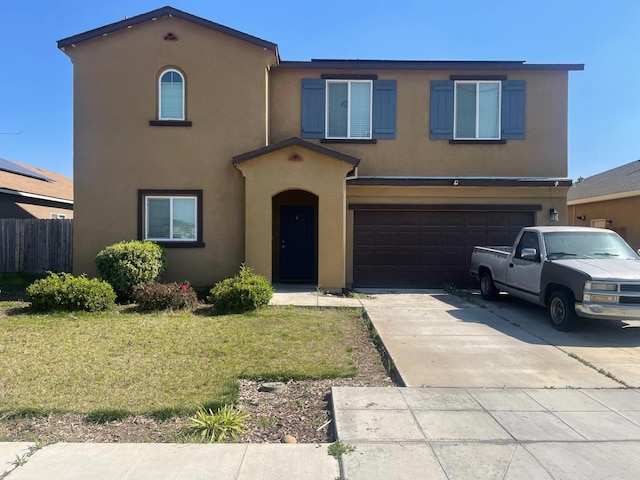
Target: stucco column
(258, 235)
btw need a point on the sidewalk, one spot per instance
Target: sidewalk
(458, 429)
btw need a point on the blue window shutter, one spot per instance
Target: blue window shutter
(441, 110)
(513, 109)
(384, 109)
(313, 107)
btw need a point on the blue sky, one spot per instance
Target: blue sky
(604, 100)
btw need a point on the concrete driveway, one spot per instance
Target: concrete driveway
(440, 340)
(610, 346)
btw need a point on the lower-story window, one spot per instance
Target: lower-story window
(172, 218)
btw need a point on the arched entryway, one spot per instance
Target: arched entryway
(295, 237)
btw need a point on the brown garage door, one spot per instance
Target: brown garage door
(424, 249)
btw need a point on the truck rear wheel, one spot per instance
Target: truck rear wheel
(487, 289)
(562, 311)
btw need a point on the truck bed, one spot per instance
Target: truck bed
(501, 251)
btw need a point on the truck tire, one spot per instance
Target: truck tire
(562, 312)
(488, 290)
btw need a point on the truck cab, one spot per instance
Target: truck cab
(572, 271)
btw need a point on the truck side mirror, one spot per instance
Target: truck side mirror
(530, 254)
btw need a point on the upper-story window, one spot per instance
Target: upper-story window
(171, 91)
(477, 110)
(480, 110)
(349, 109)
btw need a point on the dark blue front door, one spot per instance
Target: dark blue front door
(297, 243)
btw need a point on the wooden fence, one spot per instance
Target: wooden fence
(35, 245)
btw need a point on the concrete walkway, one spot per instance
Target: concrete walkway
(447, 433)
(488, 400)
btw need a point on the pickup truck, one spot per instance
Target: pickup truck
(572, 271)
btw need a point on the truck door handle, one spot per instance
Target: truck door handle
(511, 265)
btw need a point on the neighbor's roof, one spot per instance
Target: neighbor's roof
(25, 180)
(164, 12)
(623, 181)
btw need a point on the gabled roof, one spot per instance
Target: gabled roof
(164, 12)
(623, 181)
(42, 184)
(295, 141)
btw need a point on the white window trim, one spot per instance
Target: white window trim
(326, 107)
(455, 109)
(182, 116)
(170, 198)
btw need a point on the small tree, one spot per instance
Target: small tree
(127, 264)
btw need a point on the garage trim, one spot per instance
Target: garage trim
(452, 207)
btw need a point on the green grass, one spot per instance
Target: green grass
(160, 364)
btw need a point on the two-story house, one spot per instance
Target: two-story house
(345, 173)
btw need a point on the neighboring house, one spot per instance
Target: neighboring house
(344, 173)
(609, 199)
(30, 192)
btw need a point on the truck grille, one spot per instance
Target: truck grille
(630, 300)
(630, 287)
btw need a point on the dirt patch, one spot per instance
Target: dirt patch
(301, 409)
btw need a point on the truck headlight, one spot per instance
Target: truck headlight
(609, 287)
(589, 297)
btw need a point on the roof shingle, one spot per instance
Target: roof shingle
(58, 186)
(623, 179)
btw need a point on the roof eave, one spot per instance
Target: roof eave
(427, 65)
(295, 141)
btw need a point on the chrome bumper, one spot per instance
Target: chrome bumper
(608, 311)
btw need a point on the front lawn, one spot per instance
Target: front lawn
(159, 364)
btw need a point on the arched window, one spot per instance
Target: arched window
(171, 104)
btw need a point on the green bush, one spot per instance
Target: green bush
(244, 292)
(127, 264)
(154, 296)
(63, 291)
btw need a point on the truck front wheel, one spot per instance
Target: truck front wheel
(487, 289)
(562, 311)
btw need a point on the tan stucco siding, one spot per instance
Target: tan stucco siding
(546, 197)
(622, 213)
(542, 153)
(117, 152)
(312, 172)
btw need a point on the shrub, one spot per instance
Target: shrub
(63, 291)
(241, 293)
(154, 296)
(225, 424)
(127, 264)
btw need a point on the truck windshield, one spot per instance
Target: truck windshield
(601, 245)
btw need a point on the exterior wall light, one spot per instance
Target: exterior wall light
(582, 218)
(553, 215)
